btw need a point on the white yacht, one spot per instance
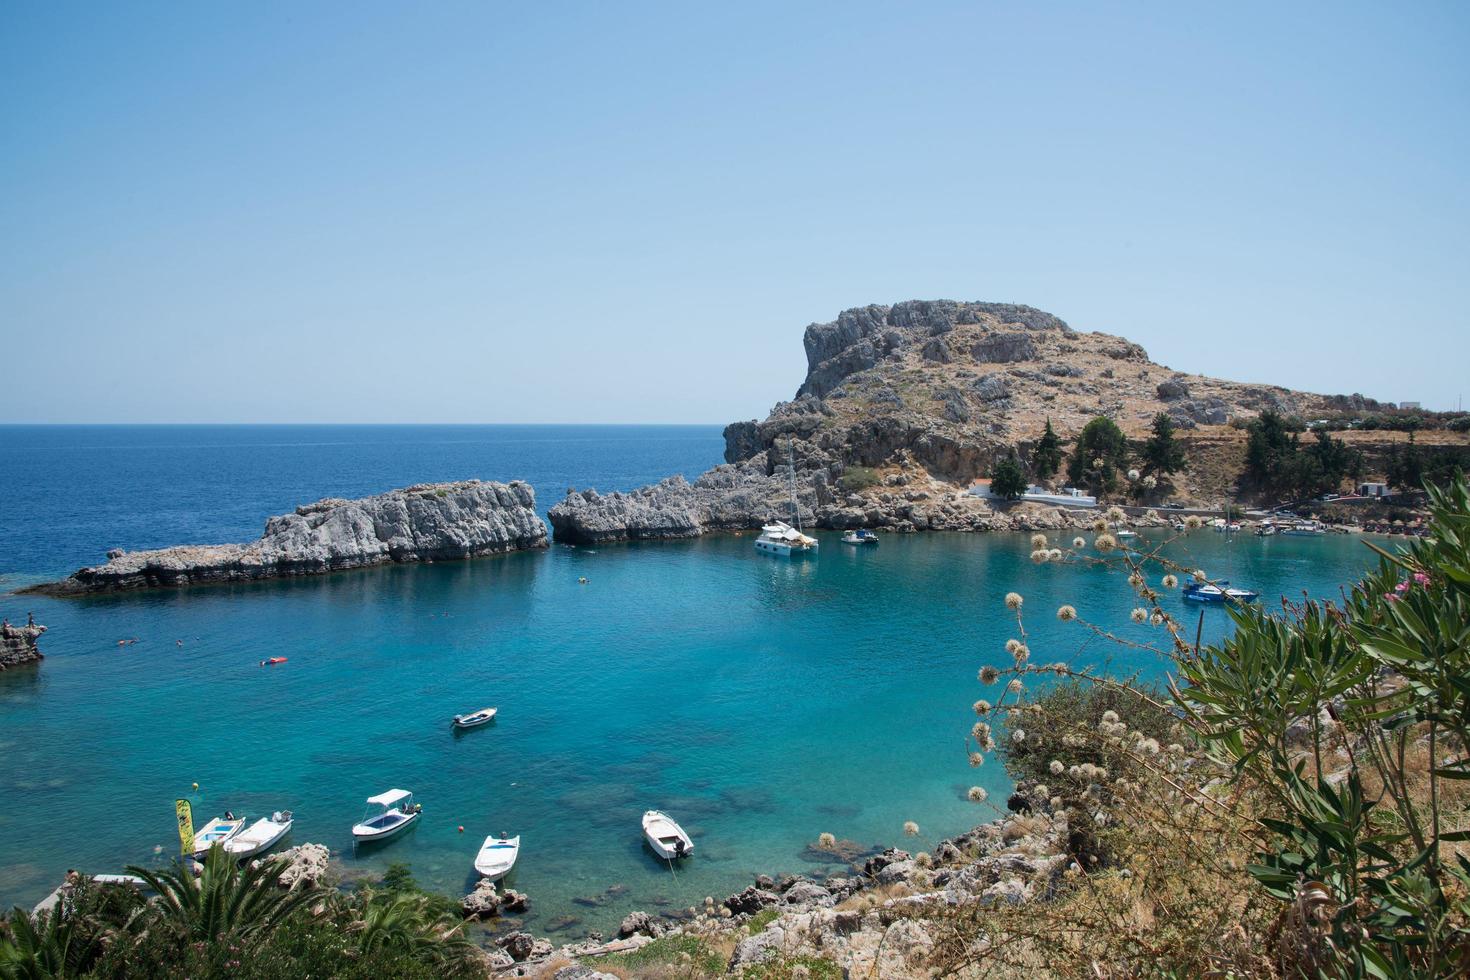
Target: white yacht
(780, 538)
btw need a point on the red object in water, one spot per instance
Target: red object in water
(273, 660)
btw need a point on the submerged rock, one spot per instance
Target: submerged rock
(427, 522)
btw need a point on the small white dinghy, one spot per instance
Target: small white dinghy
(260, 836)
(497, 856)
(475, 718)
(217, 831)
(665, 836)
(388, 814)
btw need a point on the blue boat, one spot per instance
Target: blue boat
(860, 536)
(1205, 592)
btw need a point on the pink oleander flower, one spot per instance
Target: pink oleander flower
(1421, 578)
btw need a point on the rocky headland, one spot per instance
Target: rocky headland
(18, 645)
(423, 523)
(904, 406)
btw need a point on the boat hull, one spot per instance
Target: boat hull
(249, 843)
(666, 838)
(368, 833)
(475, 720)
(497, 857)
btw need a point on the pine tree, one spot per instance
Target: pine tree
(1162, 451)
(1007, 479)
(1046, 458)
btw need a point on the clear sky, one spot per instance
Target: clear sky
(479, 212)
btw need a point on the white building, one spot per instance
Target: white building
(1373, 490)
(1066, 497)
(1409, 405)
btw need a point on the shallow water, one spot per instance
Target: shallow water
(761, 701)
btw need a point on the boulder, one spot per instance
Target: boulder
(305, 864)
(1005, 348)
(18, 645)
(638, 923)
(482, 903)
(807, 893)
(751, 900)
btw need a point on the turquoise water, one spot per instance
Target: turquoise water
(761, 701)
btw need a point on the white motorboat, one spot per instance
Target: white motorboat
(497, 856)
(860, 536)
(780, 538)
(1123, 534)
(260, 836)
(475, 718)
(388, 814)
(217, 831)
(665, 836)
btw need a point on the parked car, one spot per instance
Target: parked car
(1173, 505)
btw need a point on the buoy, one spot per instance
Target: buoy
(461, 828)
(196, 787)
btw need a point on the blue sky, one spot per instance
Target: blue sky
(628, 212)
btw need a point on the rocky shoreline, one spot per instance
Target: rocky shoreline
(423, 523)
(742, 496)
(18, 645)
(869, 918)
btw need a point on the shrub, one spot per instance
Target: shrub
(857, 478)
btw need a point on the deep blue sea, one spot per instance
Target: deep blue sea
(761, 701)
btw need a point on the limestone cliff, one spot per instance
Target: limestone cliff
(428, 522)
(18, 645)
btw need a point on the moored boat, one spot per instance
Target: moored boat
(780, 538)
(665, 836)
(475, 718)
(388, 814)
(860, 536)
(1206, 592)
(260, 836)
(217, 831)
(497, 856)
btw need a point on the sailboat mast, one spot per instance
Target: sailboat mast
(791, 468)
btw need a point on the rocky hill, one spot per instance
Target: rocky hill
(928, 393)
(428, 522)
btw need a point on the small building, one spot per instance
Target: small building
(1373, 490)
(1066, 497)
(1409, 405)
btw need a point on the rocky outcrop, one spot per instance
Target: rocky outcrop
(306, 864)
(18, 645)
(929, 394)
(428, 522)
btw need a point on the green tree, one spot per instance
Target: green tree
(1162, 452)
(1046, 458)
(1007, 479)
(1406, 469)
(1101, 452)
(1269, 450)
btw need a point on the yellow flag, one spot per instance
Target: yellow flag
(186, 825)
